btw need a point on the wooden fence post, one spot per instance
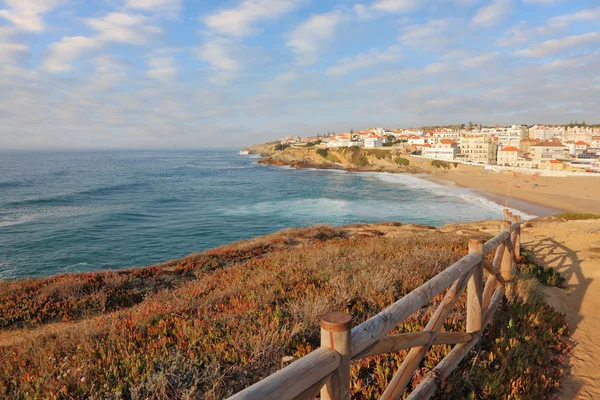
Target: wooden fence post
(475, 290)
(517, 243)
(506, 269)
(336, 332)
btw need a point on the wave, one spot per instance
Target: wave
(414, 182)
(215, 168)
(26, 215)
(18, 221)
(66, 198)
(13, 184)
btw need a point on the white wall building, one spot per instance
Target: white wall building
(445, 150)
(508, 156)
(374, 141)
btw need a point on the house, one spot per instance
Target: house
(543, 152)
(508, 156)
(446, 150)
(555, 165)
(374, 141)
(416, 140)
(525, 143)
(595, 142)
(342, 140)
(581, 147)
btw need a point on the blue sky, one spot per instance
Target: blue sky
(198, 73)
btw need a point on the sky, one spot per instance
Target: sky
(91, 74)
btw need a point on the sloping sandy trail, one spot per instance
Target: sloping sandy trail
(566, 246)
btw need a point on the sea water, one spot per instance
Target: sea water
(87, 211)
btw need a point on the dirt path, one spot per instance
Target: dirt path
(568, 248)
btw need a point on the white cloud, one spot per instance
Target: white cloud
(478, 61)
(13, 53)
(543, 2)
(436, 68)
(168, 6)
(240, 21)
(363, 60)
(431, 32)
(28, 15)
(218, 53)
(124, 28)
(309, 38)
(69, 48)
(492, 13)
(162, 68)
(554, 46)
(397, 5)
(592, 14)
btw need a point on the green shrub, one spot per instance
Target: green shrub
(280, 146)
(440, 164)
(577, 216)
(323, 152)
(401, 161)
(547, 276)
(379, 154)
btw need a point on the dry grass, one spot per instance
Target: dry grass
(208, 325)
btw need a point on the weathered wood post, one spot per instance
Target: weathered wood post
(336, 332)
(475, 290)
(506, 268)
(517, 243)
(506, 213)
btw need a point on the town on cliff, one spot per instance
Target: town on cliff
(569, 148)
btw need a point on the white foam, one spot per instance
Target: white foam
(18, 221)
(415, 182)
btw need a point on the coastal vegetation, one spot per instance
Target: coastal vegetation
(577, 216)
(402, 161)
(212, 323)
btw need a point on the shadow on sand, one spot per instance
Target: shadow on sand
(550, 253)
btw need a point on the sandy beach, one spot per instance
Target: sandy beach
(572, 248)
(569, 194)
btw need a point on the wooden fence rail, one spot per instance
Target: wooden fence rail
(328, 369)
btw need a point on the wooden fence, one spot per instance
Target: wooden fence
(328, 369)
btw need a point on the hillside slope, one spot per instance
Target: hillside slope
(206, 326)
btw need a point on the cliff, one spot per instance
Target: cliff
(386, 159)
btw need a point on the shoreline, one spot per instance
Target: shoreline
(526, 206)
(539, 195)
(523, 206)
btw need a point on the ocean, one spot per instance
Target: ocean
(88, 211)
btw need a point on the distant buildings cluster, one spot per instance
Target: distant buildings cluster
(539, 146)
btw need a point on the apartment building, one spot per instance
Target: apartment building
(479, 149)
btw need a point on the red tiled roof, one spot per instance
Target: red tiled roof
(555, 162)
(548, 144)
(510, 148)
(582, 142)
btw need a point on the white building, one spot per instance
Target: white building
(413, 141)
(445, 150)
(508, 156)
(511, 136)
(374, 141)
(543, 133)
(480, 149)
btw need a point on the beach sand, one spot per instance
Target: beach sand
(569, 194)
(573, 249)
